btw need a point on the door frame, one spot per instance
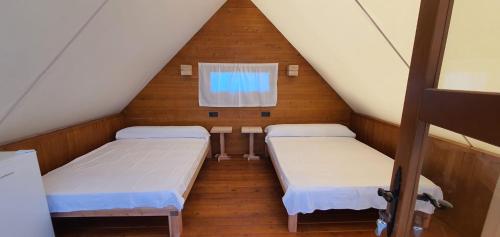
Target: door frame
(478, 111)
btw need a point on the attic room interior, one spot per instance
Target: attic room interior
(250, 118)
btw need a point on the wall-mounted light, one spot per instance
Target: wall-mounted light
(186, 70)
(293, 70)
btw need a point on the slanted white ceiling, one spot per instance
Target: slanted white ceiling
(345, 47)
(65, 62)
(362, 49)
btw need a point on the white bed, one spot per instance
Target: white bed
(141, 173)
(322, 169)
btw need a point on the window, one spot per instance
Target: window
(237, 85)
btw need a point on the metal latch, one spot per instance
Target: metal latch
(437, 203)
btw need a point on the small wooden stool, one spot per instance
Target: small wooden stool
(221, 131)
(251, 130)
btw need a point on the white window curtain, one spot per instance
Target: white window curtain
(238, 84)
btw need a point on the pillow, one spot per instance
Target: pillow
(139, 132)
(309, 130)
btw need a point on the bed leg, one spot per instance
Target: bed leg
(209, 152)
(422, 219)
(175, 224)
(292, 223)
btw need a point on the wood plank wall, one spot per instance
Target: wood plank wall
(467, 176)
(57, 148)
(237, 33)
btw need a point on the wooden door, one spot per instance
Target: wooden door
(473, 114)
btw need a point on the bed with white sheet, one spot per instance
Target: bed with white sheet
(323, 167)
(146, 171)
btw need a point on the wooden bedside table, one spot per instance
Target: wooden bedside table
(221, 130)
(251, 130)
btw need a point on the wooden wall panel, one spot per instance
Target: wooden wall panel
(379, 134)
(468, 178)
(237, 33)
(60, 147)
(466, 175)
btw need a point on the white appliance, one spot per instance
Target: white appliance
(23, 205)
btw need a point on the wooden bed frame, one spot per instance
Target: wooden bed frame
(420, 218)
(174, 215)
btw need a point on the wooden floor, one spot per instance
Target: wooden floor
(236, 198)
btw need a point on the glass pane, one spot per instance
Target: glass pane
(461, 139)
(468, 177)
(472, 54)
(239, 82)
(467, 170)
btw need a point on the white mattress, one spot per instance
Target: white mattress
(322, 173)
(128, 173)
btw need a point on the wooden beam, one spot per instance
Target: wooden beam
(475, 114)
(428, 50)
(119, 212)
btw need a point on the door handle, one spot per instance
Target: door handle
(387, 195)
(437, 203)
(385, 221)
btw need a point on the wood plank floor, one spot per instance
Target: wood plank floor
(236, 198)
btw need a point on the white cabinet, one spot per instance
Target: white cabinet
(23, 206)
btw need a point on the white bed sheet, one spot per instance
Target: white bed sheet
(131, 173)
(322, 173)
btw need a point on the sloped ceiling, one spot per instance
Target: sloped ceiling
(363, 49)
(65, 62)
(345, 47)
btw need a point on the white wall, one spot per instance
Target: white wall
(102, 64)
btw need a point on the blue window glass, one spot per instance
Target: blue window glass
(238, 82)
